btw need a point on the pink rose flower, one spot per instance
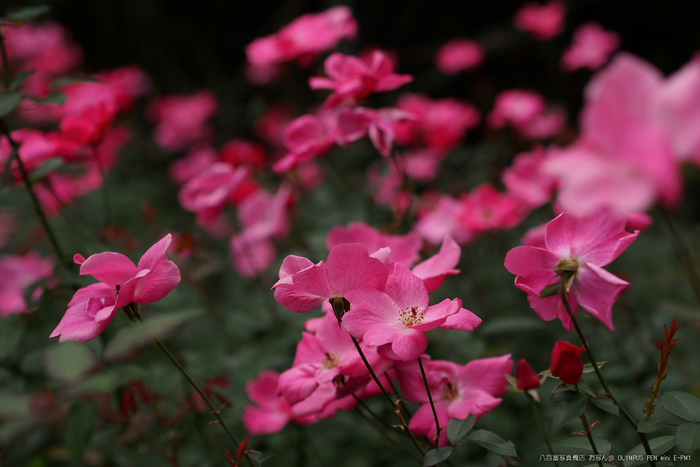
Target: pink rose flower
(457, 391)
(578, 247)
(121, 282)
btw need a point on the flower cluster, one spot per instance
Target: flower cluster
(376, 304)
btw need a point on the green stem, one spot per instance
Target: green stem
(35, 201)
(134, 311)
(432, 405)
(538, 417)
(394, 407)
(379, 428)
(625, 414)
(590, 438)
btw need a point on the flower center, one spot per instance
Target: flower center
(567, 269)
(331, 361)
(411, 316)
(450, 391)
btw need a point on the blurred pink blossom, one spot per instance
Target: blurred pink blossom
(526, 179)
(516, 107)
(208, 192)
(353, 79)
(458, 55)
(16, 274)
(307, 36)
(262, 216)
(305, 138)
(181, 120)
(197, 160)
(543, 21)
(439, 124)
(46, 48)
(485, 208)
(637, 127)
(590, 48)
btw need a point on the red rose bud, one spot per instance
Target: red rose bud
(527, 378)
(566, 362)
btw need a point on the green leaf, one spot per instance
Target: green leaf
(682, 404)
(19, 80)
(133, 337)
(53, 98)
(492, 442)
(649, 425)
(658, 446)
(78, 425)
(605, 403)
(581, 445)
(688, 437)
(568, 410)
(437, 455)
(8, 102)
(27, 13)
(109, 380)
(561, 388)
(44, 169)
(588, 367)
(66, 80)
(68, 362)
(457, 429)
(583, 386)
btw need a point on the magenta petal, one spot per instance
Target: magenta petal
(535, 266)
(349, 267)
(293, 264)
(259, 421)
(158, 283)
(124, 297)
(601, 237)
(309, 351)
(109, 267)
(464, 320)
(434, 269)
(406, 289)
(156, 253)
(297, 383)
(409, 345)
(369, 308)
(472, 402)
(435, 315)
(76, 325)
(304, 290)
(597, 290)
(486, 375)
(423, 421)
(263, 389)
